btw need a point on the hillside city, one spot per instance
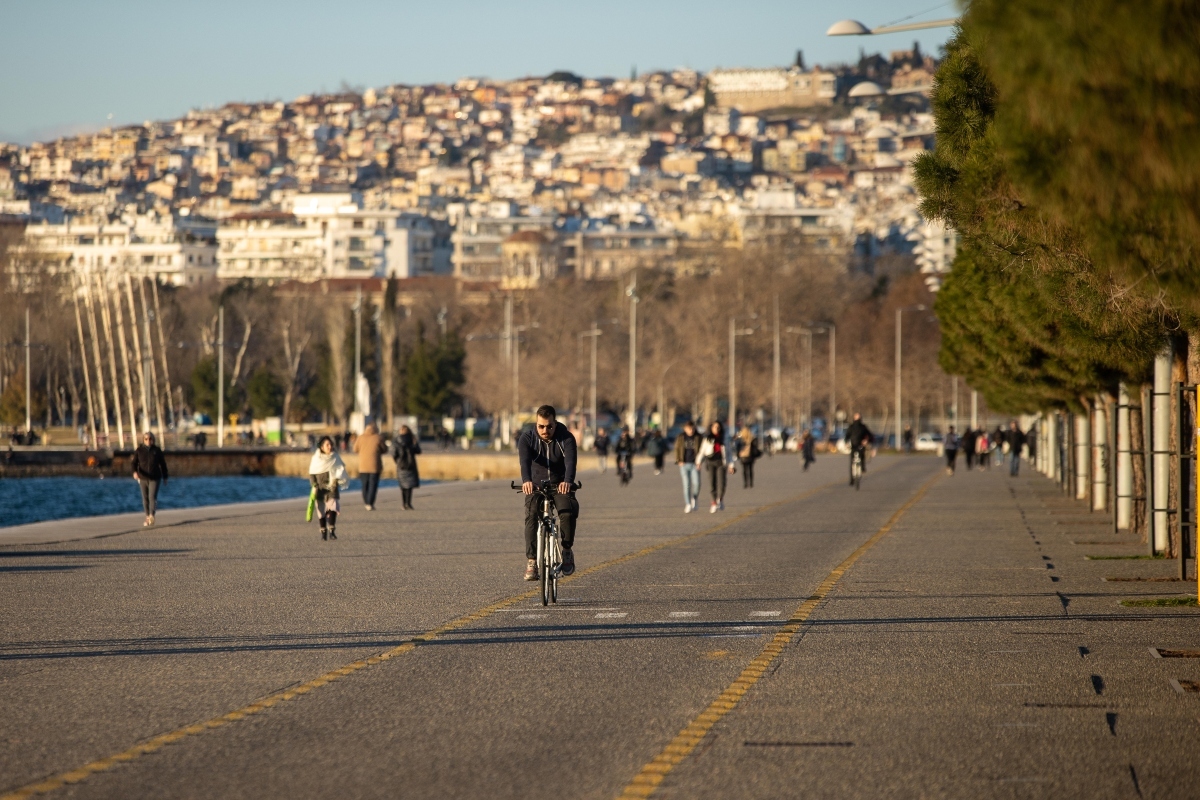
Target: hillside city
(499, 184)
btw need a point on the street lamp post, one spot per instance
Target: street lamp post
(594, 334)
(899, 313)
(851, 27)
(221, 376)
(28, 385)
(631, 292)
(734, 332)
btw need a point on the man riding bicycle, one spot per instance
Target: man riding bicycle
(548, 453)
(859, 436)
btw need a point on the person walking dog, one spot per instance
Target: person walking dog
(150, 471)
(327, 475)
(369, 447)
(405, 450)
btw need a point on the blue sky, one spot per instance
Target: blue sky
(67, 65)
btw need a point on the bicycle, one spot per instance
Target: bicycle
(549, 540)
(856, 467)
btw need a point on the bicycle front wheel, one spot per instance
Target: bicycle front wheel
(556, 559)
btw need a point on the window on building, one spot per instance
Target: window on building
(358, 223)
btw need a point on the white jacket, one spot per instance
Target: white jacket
(706, 452)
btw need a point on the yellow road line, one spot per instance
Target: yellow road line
(646, 781)
(62, 779)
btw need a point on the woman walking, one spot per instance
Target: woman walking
(716, 459)
(405, 450)
(150, 471)
(748, 453)
(369, 447)
(327, 474)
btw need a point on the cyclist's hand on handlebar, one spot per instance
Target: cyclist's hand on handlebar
(564, 488)
(527, 487)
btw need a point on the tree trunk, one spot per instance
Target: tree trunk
(389, 333)
(335, 333)
(1137, 438)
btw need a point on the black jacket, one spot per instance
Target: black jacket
(857, 432)
(148, 463)
(554, 460)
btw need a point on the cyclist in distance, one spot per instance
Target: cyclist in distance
(859, 436)
(548, 453)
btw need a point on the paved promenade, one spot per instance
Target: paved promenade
(927, 636)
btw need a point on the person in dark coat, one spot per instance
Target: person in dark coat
(405, 450)
(969, 439)
(1016, 440)
(150, 471)
(808, 449)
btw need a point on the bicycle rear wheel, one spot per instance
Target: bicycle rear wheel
(556, 561)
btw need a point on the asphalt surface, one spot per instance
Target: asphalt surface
(971, 651)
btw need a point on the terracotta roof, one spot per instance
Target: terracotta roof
(527, 237)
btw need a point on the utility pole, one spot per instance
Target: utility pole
(954, 401)
(28, 384)
(833, 377)
(777, 399)
(898, 431)
(899, 313)
(733, 334)
(974, 409)
(594, 333)
(633, 301)
(220, 376)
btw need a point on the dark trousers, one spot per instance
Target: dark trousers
(1015, 465)
(149, 495)
(951, 457)
(658, 461)
(747, 474)
(716, 479)
(970, 456)
(568, 512)
(370, 486)
(406, 496)
(326, 517)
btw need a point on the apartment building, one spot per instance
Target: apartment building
(749, 90)
(478, 243)
(173, 250)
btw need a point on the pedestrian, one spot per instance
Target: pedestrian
(405, 450)
(656, 448)
(687, 449)
(369, 447)
(748, 453)
(715, 458)
(983, 449)
(951, 447)
(808, 449)
(969, 441)
(998, 442)
(600, 445)
(1015, 439)
(907, 438)
(150, 471)
(625, 448)
(327, 475)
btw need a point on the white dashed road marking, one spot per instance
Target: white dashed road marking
(611, 615)
(679, 614)
(764, 613)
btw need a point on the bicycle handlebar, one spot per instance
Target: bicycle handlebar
(544, 486)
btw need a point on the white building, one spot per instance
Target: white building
(326, 236)
(172, 250)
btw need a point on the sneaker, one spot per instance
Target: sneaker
(713, 509)
(531, 573)
(367, 506)
(146, 522)
(151, 519)
(721, 506)
(568, 563)
(687, 507)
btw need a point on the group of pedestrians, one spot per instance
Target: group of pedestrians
(981, 449)
(328, 478)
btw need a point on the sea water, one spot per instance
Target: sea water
(24, 500)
